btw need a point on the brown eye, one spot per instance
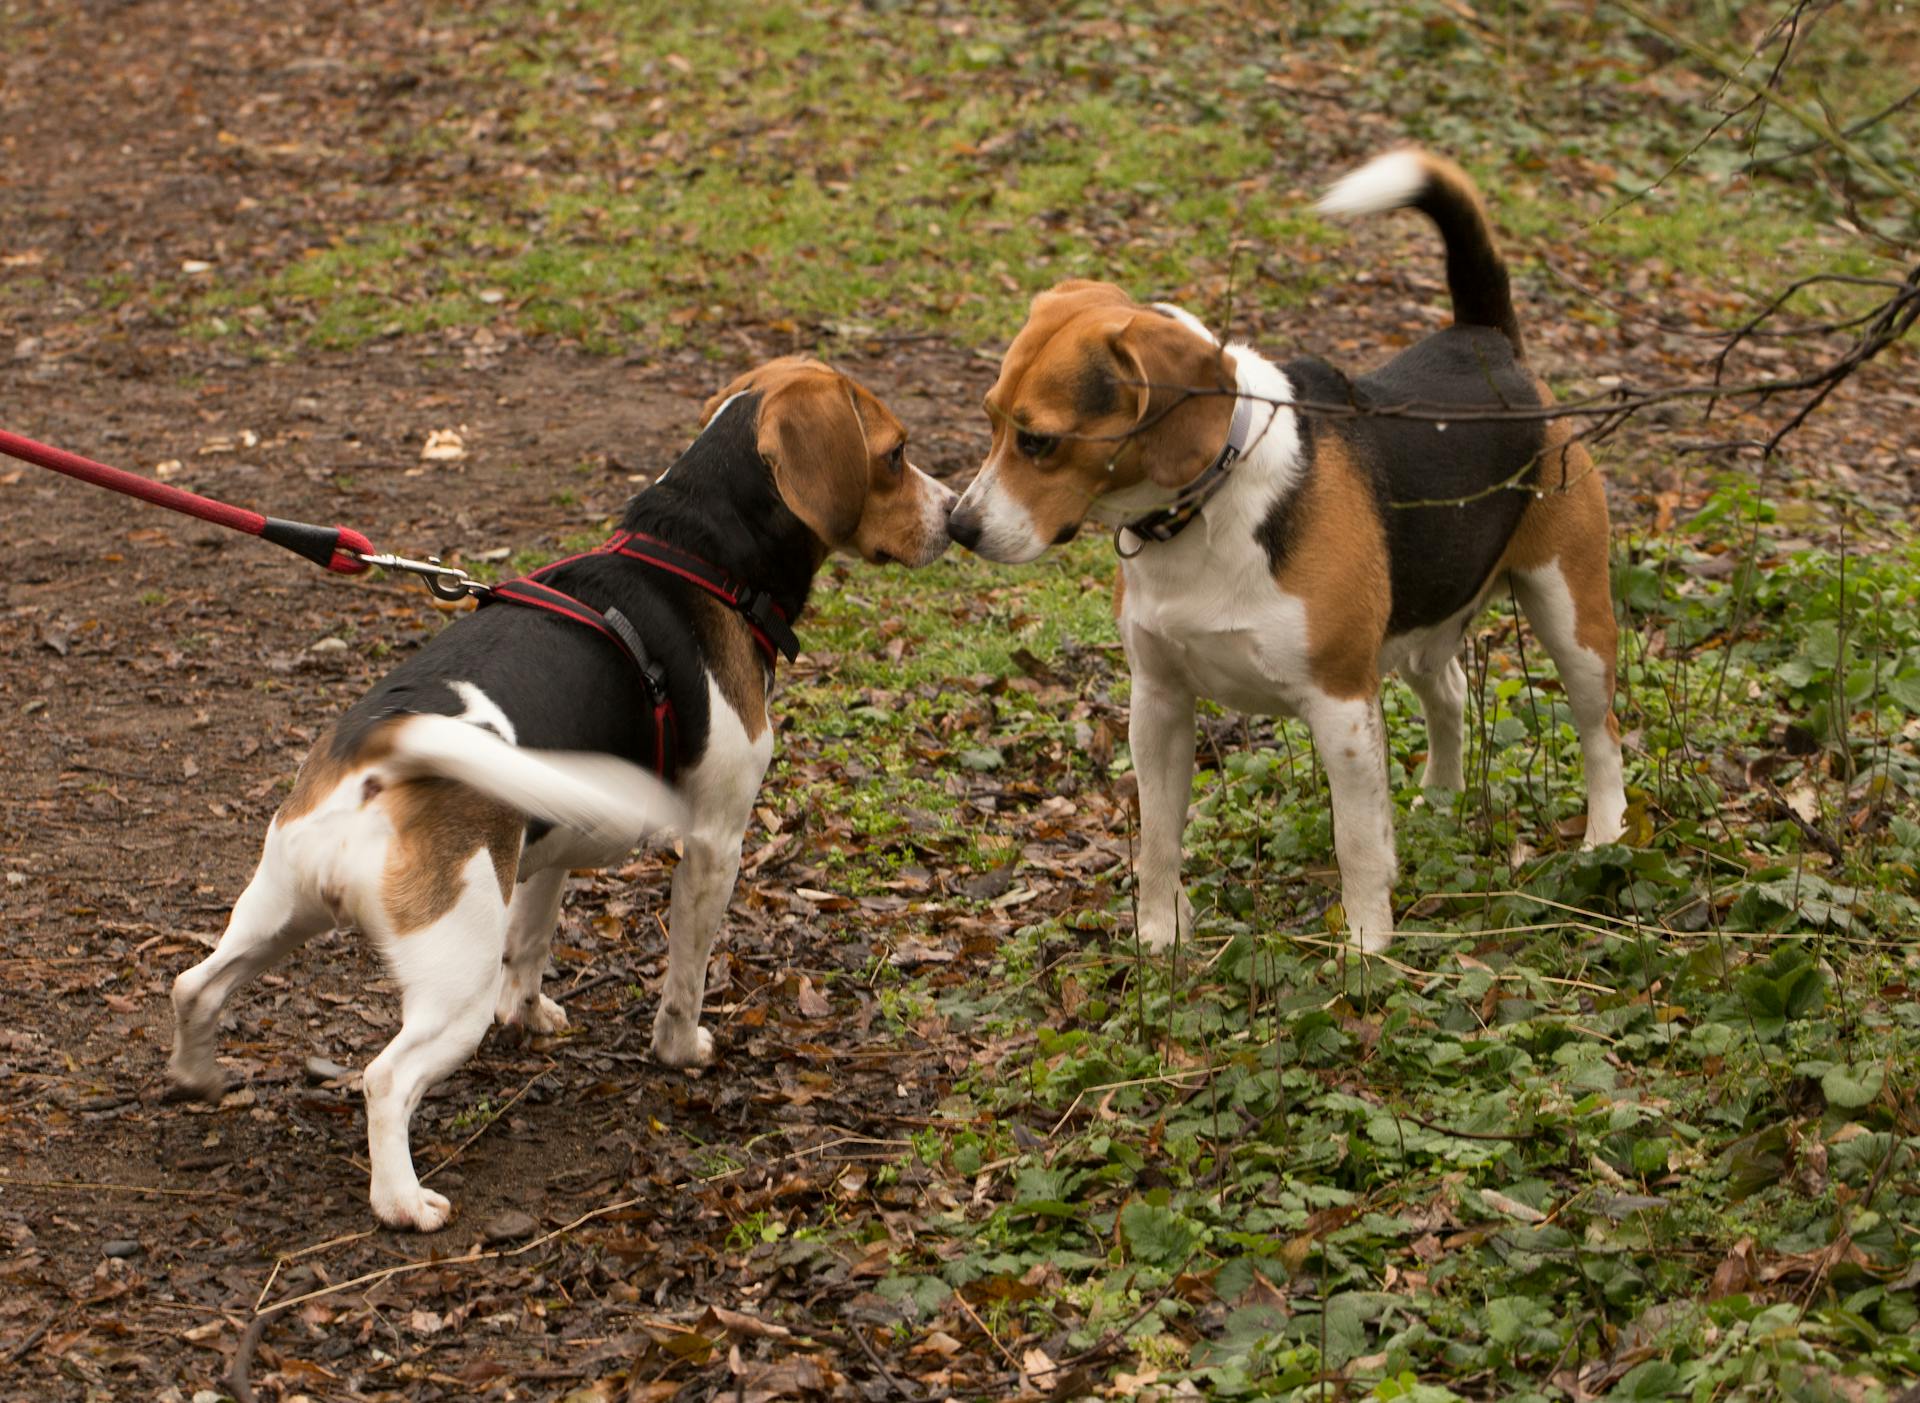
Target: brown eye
(1035, 445)
(897, 460)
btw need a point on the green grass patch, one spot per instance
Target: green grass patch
(1655, 1092)
(630, 176)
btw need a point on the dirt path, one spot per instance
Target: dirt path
(163, 683)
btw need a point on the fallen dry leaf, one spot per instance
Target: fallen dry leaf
(1512, 1207)
(443, 446)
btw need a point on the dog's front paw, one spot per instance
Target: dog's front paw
(186, 1083)
(682, 1046)
(1370, 940)
(1162, 921)
(420, 1210)
(1604, 830)
(1369, 923)
(545, 1017)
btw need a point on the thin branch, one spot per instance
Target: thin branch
(1807, 148)
(1812, 121)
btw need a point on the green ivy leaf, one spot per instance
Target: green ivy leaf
(1652, 1381)
(1158, 1236)
(1851, 1087)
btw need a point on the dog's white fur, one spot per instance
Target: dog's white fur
(325, 868)
(1386, 182)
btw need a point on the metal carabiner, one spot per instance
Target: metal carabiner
(442, 581)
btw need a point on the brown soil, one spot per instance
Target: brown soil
(161, 686)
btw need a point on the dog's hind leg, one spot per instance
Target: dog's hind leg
(449, 973)
(1442, 692)
(1578, 630)
(531, 919)
(269, 922)
(1561, 576)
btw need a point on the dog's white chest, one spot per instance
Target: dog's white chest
(1235, 638)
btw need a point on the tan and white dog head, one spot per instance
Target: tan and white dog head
(839, 461)
(1104, 408)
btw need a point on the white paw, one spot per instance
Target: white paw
(421, 1210)
(1159, 926)
(191, 1083)
(685, 1047)
(1369, 924)
(510, 1005)
(1370, 940)
(545, 1017)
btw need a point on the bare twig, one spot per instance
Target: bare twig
(1807, 148)
(9, 1182)
(489, 1123)
(242, 1366)
(900, 1390)
(1812, 121)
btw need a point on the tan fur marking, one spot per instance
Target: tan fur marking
(1340, 571)
(1057, 498)
(1108, 377)
(438, 825)
(321, 772)
(1119, 591)
(738, 666)
(832, 446)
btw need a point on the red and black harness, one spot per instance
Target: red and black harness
(772, 631)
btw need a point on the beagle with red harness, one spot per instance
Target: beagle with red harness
(1282, 547)
(441, 813)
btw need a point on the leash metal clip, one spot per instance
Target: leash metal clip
(442, 581)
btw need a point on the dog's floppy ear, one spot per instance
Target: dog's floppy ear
(812, 437)
(1183, 416)
(739, 387)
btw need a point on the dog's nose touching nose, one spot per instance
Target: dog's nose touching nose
(963, 525)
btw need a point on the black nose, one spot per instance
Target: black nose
(963, 526)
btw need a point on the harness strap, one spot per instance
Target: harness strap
(771, 629)
(767, 620)
(619, 631)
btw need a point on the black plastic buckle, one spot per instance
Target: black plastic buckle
(759, 607)
(652, 675)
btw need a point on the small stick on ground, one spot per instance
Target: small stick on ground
(491, 1120)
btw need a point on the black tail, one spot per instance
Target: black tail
(1409, 178)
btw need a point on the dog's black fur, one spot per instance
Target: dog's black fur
(718, 501)
(1439, 557)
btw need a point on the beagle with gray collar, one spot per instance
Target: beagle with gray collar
(441, 813)
(1282, 549)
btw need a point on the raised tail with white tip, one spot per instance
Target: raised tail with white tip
(1413, 179)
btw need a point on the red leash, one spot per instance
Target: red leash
(339, 548)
